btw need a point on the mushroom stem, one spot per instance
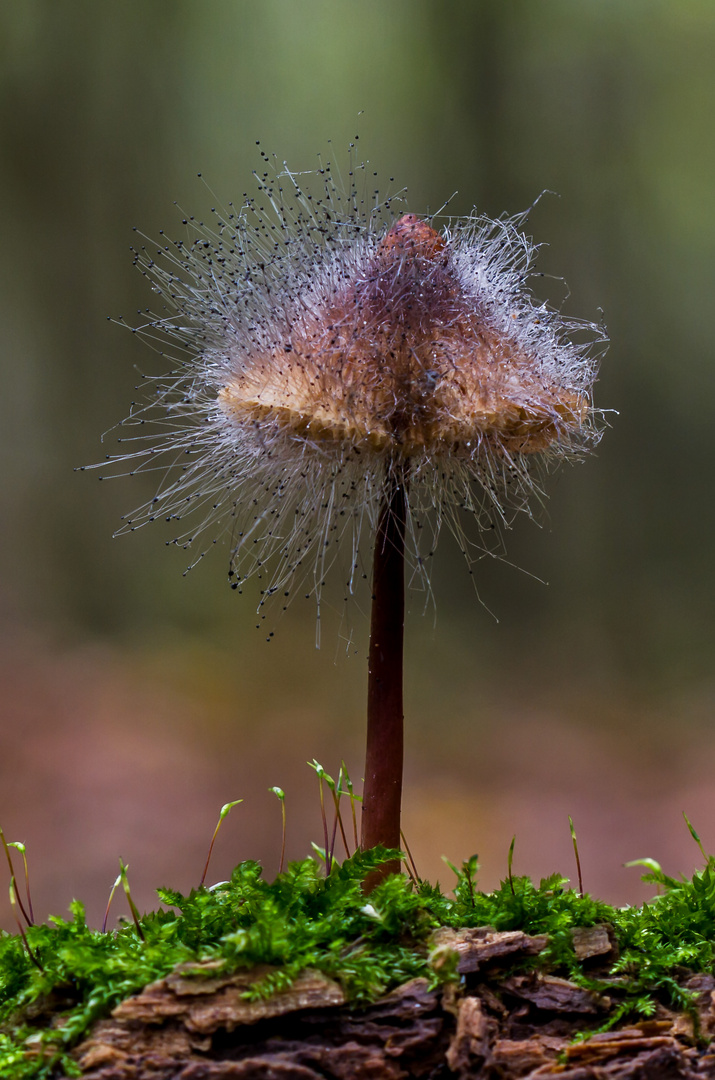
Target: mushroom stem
(382, 792)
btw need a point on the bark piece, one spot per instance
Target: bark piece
(589, 941)
(203, 1005)
(520, 1057)
(494, 1004)
(644, 1052)
(608, 1044)
(659, 1063)
(477, 946)
(551, 994)
(114, 1043)
(470, 1047)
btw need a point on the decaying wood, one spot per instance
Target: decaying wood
(203, 1003)
(196, 1025)
(403, 1034)
(476, 947)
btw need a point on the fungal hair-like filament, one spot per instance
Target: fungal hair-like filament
(321, 342)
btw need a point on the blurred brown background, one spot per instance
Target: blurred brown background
(134, 702)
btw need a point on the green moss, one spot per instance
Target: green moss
(304, 919)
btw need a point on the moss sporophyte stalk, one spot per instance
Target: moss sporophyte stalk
(346, 373)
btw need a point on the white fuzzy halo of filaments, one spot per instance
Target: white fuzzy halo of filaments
(294, 469)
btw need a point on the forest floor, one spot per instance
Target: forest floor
(493, 1023)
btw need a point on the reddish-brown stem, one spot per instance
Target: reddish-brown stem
(338, 823)
(409, 862)
(382, 794)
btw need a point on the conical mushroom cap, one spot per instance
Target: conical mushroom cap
(405, 358)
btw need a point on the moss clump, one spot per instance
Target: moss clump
(63, 976)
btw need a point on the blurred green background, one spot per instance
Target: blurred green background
(136, 701)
